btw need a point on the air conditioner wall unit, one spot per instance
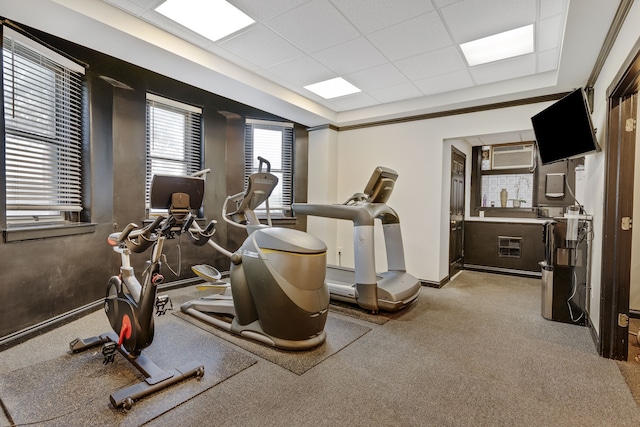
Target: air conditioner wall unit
(512, 156)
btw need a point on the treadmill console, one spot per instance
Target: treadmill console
(380, 185)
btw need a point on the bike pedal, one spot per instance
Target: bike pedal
(109, 352)
(163, 303)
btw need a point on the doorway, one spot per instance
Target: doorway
(618, 211)
(456, 213)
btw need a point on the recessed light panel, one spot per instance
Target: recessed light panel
(213, 19)
(499, 46)
(332, 88)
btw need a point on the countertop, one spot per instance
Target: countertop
(509, 220)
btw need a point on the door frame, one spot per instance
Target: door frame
(457, 152)
(618, 203)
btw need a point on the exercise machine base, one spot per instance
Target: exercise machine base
(155, 378)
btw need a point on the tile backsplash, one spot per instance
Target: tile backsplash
(517, 185)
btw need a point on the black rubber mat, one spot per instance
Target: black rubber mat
(340, 333)
(74, 389)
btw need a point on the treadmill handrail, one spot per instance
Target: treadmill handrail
(360, 214)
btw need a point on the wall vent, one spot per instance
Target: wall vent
(512, 156)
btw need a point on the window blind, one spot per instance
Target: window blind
(43, 124)
(174, 135)
(274, 142)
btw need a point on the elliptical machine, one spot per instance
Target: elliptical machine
(277, 294)
(129, 305)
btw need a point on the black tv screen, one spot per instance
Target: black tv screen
(564, 129)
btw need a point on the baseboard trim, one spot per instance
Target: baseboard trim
(594, 336)
(26, 334)
(514, 272)
(433, 284)
(48, 325)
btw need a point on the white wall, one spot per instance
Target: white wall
(323, 164)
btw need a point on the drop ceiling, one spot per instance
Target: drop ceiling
(403, 54)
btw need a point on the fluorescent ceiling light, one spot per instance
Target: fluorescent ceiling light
(332, 88)
(213, 19)
(499, 46)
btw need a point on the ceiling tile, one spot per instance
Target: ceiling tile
(377, 77)
(354, 55)
(549, 33)
(504, 70)
(396, 93)
(549, 8)
(474, 19)
(351, 102)
(421, 34)
(444, 82)
(263, 10)
(302, 71)
(314, 26)
(443, 3)
(261, 46)
(431, 64)
(548, 60)
(368, 16)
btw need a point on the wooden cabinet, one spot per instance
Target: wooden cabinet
(507, 247)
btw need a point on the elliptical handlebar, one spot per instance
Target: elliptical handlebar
(201, 173)
(200, 237)
(265, 161)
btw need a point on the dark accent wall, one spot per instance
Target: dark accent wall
(45, 278)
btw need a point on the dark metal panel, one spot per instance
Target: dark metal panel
(481, 245)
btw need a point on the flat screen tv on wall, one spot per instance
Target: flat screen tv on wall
(564, 130)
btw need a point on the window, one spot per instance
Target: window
(43, 132)
(272, 141)
(174, 139)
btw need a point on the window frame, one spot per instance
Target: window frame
(286, 162)
(192, 143)
(51, 191)
(69, 219)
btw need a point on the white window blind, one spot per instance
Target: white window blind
(174, 138)
(274, 142)
(43, 131)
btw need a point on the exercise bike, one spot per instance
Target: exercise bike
(130, 305)
(276, 294)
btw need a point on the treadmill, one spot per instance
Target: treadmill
(391, 290)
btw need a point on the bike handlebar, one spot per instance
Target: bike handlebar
(136, 240)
